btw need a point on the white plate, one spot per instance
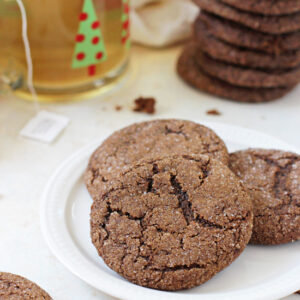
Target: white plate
(261, 272)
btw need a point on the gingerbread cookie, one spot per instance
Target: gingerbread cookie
(266, 7)
(172, 223)
(226, 52)
(193, 75)
(242, 36)
(273, 180)
(267, 24)
(247, 77)
(19, 288)
(142, 140)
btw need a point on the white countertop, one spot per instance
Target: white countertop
(26, 165)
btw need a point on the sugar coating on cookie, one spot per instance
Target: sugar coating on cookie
(273, 180)
(146, 139)
(16, 287)
(172, 223)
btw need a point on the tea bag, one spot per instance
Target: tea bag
(45, 126)
(162, 22)
(27, 54)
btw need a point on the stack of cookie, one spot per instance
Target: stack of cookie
(169, 207)
(247, 51)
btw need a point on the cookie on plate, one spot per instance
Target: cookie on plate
(172, 223)
(266, 7)
(268, 24)
(223, 51)
(242, 36)
(19, 288)
(248, 77)
(273, 180)
(146, 139)
(189, 71)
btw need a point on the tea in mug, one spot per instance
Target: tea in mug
(76, 45)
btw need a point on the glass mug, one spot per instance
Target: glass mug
(77, 47)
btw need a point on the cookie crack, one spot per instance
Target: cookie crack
(280, 189)
(280, 181)
(150, 185)
(183, 199)
(179, 132)
(95, 175)
(207, 223)
(186, 206)
(106, 195)
(182, 267)
(229, 226)
(120, 213)
(150, 188)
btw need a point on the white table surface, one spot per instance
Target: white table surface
(26, 165)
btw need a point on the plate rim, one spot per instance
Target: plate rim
(129, 291)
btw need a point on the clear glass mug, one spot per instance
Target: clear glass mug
(78, 47)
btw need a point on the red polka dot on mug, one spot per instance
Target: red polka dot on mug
(83, 16)
(80, 56)
(126, 24)
(126, 8)
(99, 55)
(95, 24)
(80, 37)
(92, 70)
(95, 40)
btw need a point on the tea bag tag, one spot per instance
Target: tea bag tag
(45, 127)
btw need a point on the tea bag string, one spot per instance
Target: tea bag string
(27, 54)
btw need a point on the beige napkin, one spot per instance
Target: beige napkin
(161, 22)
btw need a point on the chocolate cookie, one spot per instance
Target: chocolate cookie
(273, 180)
(242, 36)
(266, 7)
(19, 288)
(226, 52)
(149, 139)
(267, 24)
(192, 74)
(172, 223)
(245, 77)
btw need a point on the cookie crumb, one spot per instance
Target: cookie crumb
(213, 112)
(146, 105)
(118, 107)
